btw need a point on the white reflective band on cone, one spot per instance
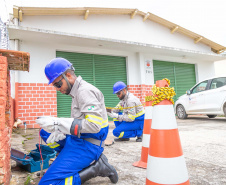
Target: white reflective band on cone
(148, 112)
(167, 170)
(163, 117)
(146, 140)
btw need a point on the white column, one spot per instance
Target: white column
(140, 59)
(148, 68)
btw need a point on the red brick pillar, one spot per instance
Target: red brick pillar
(145, 91)
(6, 122)
(140, 91)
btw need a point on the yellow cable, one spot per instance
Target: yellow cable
(163, 93)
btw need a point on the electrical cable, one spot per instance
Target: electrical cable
(40, 151)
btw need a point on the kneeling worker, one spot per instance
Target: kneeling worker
(130, 122)
(79, 140)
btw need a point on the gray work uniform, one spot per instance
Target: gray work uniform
(130, 114)
(88, 105)
(80, 152)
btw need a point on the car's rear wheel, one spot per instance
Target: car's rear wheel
(212, 116)
(181, 113)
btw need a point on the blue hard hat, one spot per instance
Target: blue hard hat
(118, 86)
(56, 67)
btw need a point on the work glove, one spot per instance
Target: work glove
(55, 137)
(112, 114)
(46, 122)
(71, 126)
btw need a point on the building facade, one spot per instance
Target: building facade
(105, 45)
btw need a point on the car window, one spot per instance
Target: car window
(200, 87)
(218, 82)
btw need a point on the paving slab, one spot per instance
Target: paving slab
(203, 141)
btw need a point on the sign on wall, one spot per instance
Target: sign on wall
(149, 78)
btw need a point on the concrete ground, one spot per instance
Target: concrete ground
(203, 141)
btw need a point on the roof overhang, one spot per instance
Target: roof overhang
(17, 60)
(19, 12)
(68, 39)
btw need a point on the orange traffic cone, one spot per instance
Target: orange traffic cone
(166, 163)
(142, 163)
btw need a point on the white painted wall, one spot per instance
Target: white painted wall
(199, 16)
(119, 27)
(42, 53)
(220, 67)
(205, 70)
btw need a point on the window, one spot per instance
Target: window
(218, 82)
(200, 87)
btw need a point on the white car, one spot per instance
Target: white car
(207, 97)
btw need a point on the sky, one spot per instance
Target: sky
(204, 17)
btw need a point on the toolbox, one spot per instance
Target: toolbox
(32, 162)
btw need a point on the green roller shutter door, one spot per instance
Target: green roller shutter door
(182, 76)
(108, 70)
(185, 77)
(100, 70)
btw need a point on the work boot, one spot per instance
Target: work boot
(139, 139)
(121, 139)
(100, 168)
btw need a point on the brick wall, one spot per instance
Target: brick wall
(39, 99)
(34, 100)
(6, 122)
(140, 91)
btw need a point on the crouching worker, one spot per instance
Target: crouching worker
(129, 123)
(79, 140)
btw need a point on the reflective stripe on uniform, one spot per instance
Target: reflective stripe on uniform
(69, 180)
(104, 123)
(95, 119)
(53, 145)
(121, 135)
(131, 116)
(140, 113)
(137, 115)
